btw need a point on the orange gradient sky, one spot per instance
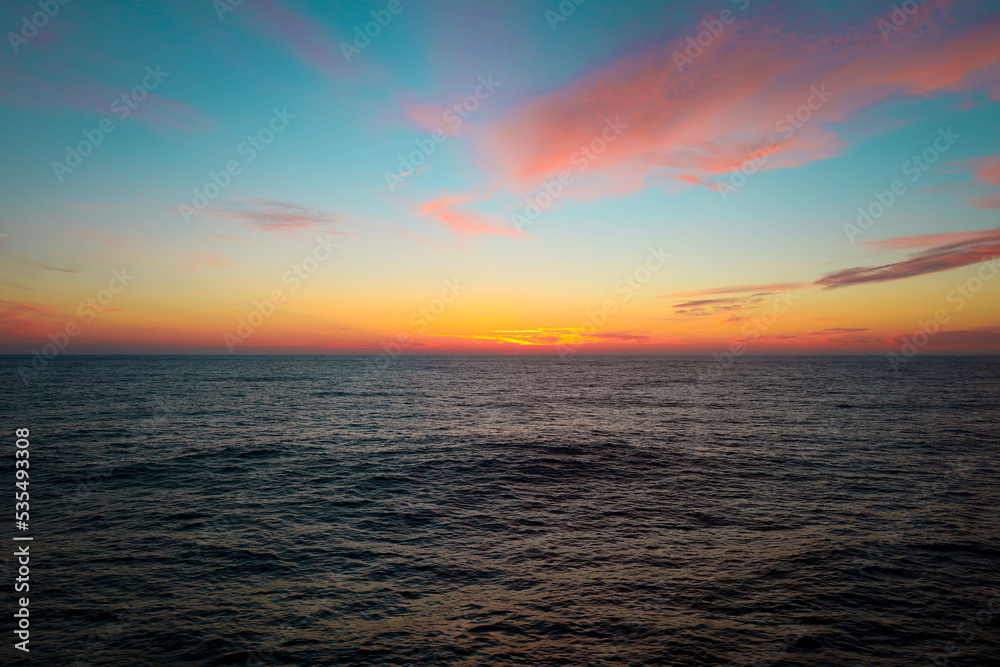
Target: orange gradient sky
(733, 177)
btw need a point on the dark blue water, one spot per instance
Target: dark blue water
(509, 511)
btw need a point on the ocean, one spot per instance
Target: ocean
(508, 510)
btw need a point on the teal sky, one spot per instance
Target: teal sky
(657, 184)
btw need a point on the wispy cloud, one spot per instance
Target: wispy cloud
(454, 213)
(933, 240)
(738, 289)
(306, 38)
(275, 216)
(49, 267)
(987, 202)
(978, 338)
(24, 306)
(622, 336)
(23, 90)
(748, 297)
(838, 337)
(100, 207)
(959, 249)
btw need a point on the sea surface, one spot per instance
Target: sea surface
(590, 510)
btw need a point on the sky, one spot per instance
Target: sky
(726, 176)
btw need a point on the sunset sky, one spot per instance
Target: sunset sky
(641, 177)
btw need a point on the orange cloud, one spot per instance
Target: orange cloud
(549, 336)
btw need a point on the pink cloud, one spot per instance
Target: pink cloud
(988, 202)
(23, 306)
(703, 120)
(431, 118)
(23, 90)
(24, 320)
(987, 170)
(275, 216)
(307, 39)
(453, 212)
(930, 240)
